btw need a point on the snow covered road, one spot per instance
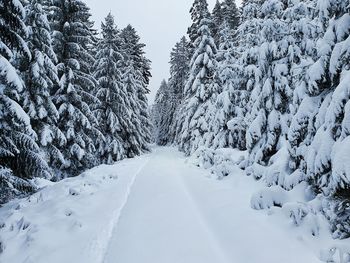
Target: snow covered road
(153, 209)
(175, 213)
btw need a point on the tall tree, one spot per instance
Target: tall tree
(20, 158)
(163, 113)
(137, 76)
(271, 96)
(113, 111)
(179, 70)
(40, 77)
(198, 11)
(230, 13)
(72, 34)
(200, 90)
(218, 19)
(228, 126)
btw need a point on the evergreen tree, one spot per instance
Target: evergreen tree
(135, 143)
(200, 90)
(179, 70)
(327, 84)
(139, 66)
(113, 111)
(163, 114)
(20, 158)
(40, 77)
(198, 11)
(230, 13)
(72, 34)
(218, 19)
(228, 126)
(270, 97)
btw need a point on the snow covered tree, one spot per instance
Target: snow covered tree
(135, 143)
(136, 78)
(303, 37)
(198, 11)
(179, 70)
(269, 114)
(228, 125)
(230, 13)
(113, 111)
(328, 85)
(200, 90)
(40, 77)
(218, 19)
(72, 35)
(20, 158)
(163, 112)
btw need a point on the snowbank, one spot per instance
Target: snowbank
(75, 215)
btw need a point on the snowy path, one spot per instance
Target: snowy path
(175, 213)
(152, 209)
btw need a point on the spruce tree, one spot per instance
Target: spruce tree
(218, 19)
(72, 34)
(230, 13)
(179, 70)
(198, 11)
(113, 111)
(228, 125)
(270, 97)
(20, 158)
(139, 66)
(163, 113)
(40, 78)
(200, 90)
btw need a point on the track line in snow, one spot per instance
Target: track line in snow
(103, 245)
(205, 224)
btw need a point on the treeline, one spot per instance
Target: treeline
(272, 78)
(69, 98)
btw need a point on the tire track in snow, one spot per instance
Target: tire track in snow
(204, 223)
(102, 246)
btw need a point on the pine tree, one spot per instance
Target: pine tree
(40, 77)
(198, 11)
(304, 34)
(218, 19)
(20, 157)
(228, 126)
(200, 90)
(72, 34)
(113, 111)
(137, 76)
(179, 70)
(230, 14)
(163, 113)
(328, 86)
(270, 97)
(135, 143)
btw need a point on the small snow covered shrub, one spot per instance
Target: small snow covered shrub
(269, 197)
(338, 213)
(221, 162)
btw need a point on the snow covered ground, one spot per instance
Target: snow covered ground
(157, 208)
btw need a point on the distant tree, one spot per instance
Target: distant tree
(179, 70)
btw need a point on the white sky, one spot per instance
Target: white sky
(160, 24)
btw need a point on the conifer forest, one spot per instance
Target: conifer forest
(243, 156)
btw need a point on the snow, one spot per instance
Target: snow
(161, 208)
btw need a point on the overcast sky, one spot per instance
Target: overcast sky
(160, 24)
